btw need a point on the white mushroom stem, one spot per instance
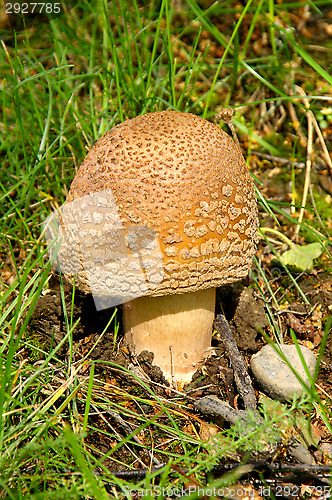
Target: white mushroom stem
(176, 328)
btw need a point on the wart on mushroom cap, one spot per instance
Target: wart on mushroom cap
(184, 178)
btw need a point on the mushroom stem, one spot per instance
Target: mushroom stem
(176, 328)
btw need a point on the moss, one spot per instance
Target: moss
(36, 346)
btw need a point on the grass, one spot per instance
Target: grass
(63, 86)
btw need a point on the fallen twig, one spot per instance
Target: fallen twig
(251, 466)
(115, 415)
(310, 120)
(283, 161)
(241, 375)
(211, 406)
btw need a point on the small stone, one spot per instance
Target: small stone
(326, 449)
(274, 375)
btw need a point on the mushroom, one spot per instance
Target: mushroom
(184, 183)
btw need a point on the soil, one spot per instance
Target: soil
(242, 305)
(248, 317)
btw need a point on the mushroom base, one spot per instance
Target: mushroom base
(176, 328)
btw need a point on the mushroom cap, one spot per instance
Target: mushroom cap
(185, 182)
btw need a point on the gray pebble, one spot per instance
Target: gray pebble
(273, 374)
(326, 448)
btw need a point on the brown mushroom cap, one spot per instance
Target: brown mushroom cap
(186, 179)
(169, 193)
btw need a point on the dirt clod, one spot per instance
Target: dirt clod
(249, 319)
